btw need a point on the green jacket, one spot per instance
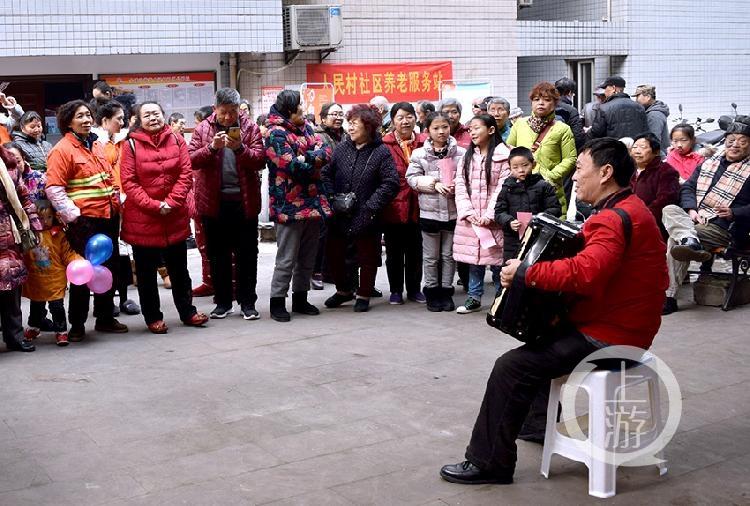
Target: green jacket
(555, 158)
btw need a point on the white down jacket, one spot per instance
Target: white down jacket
(424, 172)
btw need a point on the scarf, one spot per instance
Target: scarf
(726, 188)
(12, 197)
(537, 124)
(406, 146)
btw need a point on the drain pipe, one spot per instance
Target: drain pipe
(233, 70)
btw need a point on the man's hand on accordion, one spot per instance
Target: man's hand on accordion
(508, 272)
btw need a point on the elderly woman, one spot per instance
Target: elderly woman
(499, 108)
(403, 239)
(156, 178)
(297, 203)
(551, 141)
(17, 214)
(81, 187)
(656, 182)
(31, 140)
(360, 181)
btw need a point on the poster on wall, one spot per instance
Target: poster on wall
(314, 95)
(355, 83)
(465, 92)
(268, 97)
(182, 92)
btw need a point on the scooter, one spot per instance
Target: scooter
(715, 138)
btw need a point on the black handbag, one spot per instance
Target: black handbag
(344, 203)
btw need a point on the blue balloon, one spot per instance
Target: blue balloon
(98, 249)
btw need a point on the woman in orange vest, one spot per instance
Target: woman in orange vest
(81, 187)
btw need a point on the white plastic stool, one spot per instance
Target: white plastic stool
(601, 386)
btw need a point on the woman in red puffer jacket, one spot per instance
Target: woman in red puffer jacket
(156, 178)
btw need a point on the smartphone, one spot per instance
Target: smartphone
(234, 133)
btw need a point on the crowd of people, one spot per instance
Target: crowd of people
(442, 196)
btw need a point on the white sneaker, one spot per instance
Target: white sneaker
(471, 305)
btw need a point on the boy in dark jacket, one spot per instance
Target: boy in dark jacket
(522, 192)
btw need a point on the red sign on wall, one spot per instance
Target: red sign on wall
(355, 83)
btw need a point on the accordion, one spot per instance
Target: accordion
(527, 313)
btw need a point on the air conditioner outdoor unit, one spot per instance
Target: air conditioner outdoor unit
(309, 27)
(525, 3)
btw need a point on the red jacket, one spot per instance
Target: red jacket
(207, 167)
(619, 292)
(405, 207)
(158, 171)
(462, 136)
(658, 185)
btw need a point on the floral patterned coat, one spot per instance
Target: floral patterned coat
(295, 188)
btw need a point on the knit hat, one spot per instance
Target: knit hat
(741, 125)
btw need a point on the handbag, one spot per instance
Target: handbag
(29, 240)
(344, 203)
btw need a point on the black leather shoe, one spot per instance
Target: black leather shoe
(467, 473)
(26, 346)
(337, 299)
(689, 250)
(670, 306)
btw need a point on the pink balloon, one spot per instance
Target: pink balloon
(79, 272)
(102, 280)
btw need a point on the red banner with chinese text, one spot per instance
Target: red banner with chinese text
(355, 83)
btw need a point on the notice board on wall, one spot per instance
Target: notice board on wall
(182, 92)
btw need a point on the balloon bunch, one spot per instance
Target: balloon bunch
(91, 272)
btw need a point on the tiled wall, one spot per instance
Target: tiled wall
(695, 53)
(73, 27)
(479, 41)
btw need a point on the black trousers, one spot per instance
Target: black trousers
(124, 278)
(515, 380)
(38, 313)
(231, 232)
(403, 256)
(10, 315)
(147, 261)
(78, 235)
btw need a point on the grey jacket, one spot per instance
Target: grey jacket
(656, 116)
(424, 172)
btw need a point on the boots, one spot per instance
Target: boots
(301, 306)
(434, 298)
(278, 309)
(165, 277)
(446, 298)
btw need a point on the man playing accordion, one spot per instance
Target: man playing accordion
(616, 287)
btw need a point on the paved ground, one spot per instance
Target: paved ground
(334, 409)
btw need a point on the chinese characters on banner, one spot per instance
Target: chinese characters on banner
(357, 83)
(182, 92)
